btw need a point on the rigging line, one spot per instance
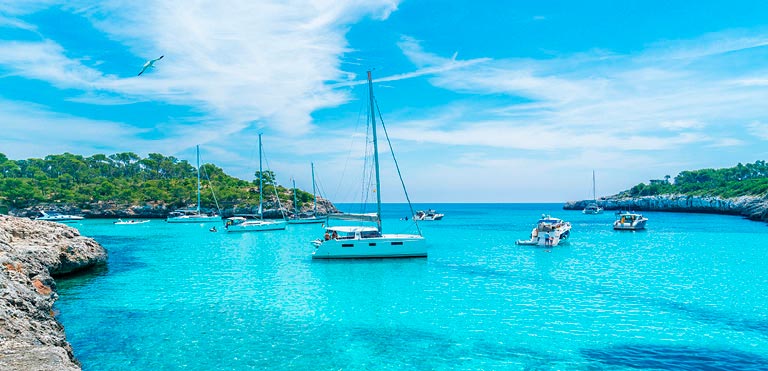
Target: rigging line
(274, 184)
(347, 191)
(210, 184)
(391, 150)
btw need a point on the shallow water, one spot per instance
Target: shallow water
(690, 292)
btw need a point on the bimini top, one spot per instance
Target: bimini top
(549, 219)
(351, 229)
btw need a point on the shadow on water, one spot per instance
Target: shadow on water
(661, 357)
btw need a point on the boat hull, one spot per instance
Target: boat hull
(306, 221)
(257, 226)
(629, 226)
(193, 219)
(387, 246)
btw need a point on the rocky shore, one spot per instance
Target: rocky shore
(112, 210)
(751, 207)
(31, 253)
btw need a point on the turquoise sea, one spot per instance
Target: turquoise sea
(689, 293)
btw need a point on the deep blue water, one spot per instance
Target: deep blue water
(689, 293)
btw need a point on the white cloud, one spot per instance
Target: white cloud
(758, 129)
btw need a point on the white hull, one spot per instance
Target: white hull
(638, 225)
(131, 222)
(193, 219)
(592, 211)
(257, 226)
(306, 220)
(387, 246)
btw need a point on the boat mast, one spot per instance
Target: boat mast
(314, 194)
(594, 194)
(198, 178)
(261, 183)
(295, 205)
(375, 152)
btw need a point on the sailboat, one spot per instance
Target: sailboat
(297, 218)
(192, 216)
(359, 240)
(593, 207)
(248, 223)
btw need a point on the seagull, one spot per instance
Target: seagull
(150, 63)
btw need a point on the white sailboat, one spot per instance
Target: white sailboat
(249, 223)
(359, 241)
(189, 215)
(593, 207)
(297, 217)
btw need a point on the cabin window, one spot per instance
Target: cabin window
(347, 245)
(396, 243)
(372, 244)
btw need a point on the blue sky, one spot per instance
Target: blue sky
(492, 101)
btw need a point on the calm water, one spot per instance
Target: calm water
(689, 293)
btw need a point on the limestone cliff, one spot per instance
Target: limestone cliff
(752, 207)
(31, 339)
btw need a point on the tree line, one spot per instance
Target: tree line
(740, 180)
(129, 179)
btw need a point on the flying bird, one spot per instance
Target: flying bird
(150, 63)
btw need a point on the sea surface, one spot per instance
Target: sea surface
(689, 293)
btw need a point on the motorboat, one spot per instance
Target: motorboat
(427, 215)
(549, 231)
(361, 235)
(629, 221)
(61, 218)
(130, 222)
(193, 215)
(250, 223)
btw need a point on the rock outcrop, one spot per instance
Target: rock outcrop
(31, 252)
(751, 207)
(113, 210)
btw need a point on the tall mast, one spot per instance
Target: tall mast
(314, 195)
(261, 181)
(594, 194)
(198, 178)
(375, 152)
(295, 205)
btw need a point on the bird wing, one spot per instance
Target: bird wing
(146, 65)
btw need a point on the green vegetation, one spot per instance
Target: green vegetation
(129, 179)
(740, 180)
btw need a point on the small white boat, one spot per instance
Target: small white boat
(193, 216)
(251, 224)
(61, 218)
(549, 231)
(256, 223)
(130, 222)
(593, 207)
(299, 218)
(430, 214)
(629, 221)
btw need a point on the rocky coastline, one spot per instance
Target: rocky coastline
(751, 207)
(31, 254)
(157, 210)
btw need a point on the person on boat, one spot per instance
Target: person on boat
(335, 235)
(547, 240)
(327, 235)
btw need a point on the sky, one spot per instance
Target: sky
(483, 101)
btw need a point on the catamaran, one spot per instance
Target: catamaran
(359, 240)
(190, 215)
(593, 207)
(298, 218)
(250, 223)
